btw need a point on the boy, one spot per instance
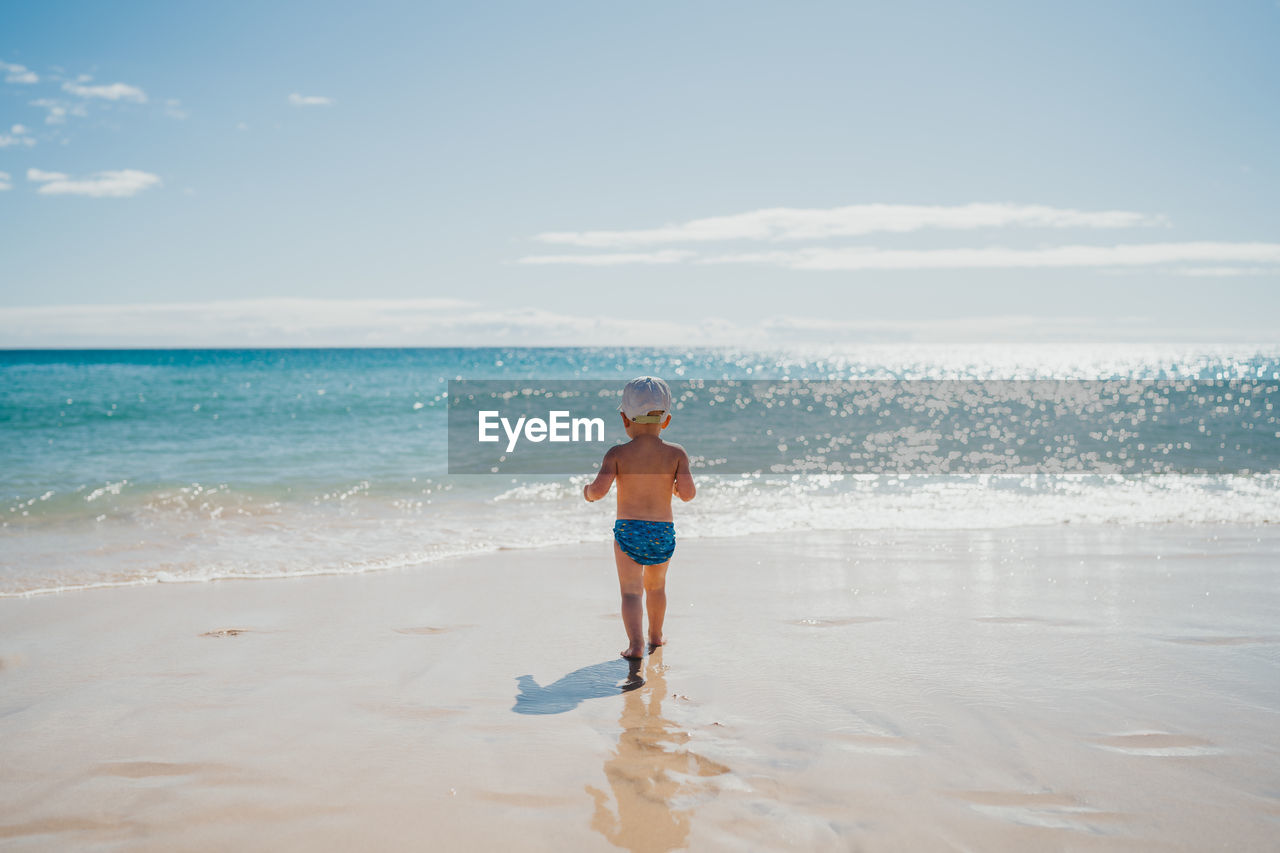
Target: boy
(649, 471)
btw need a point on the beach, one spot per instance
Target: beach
(359, 364)
(1056, 687)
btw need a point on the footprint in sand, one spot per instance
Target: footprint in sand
(51, 825)
(1222, 641)
(814, 622)
(145, 769)
(1047, 810)
(1156, 744)
(869, 744)
(413, 712)
(428, 630)
(226, 632)
(1029, 620)
(526, 800)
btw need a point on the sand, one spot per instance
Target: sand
(1025, 689)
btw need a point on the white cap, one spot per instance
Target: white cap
(643, 395)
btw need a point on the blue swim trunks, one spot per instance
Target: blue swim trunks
(647, 542)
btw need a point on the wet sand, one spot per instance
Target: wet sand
(1048, 689)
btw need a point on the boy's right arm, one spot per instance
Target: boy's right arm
(599, 487)
(683, 488)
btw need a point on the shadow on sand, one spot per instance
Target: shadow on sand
(590, 682)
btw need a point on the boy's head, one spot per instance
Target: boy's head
(646, 400)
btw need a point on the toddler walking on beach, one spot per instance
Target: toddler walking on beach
(648, 471)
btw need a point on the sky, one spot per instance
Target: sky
(388, 173)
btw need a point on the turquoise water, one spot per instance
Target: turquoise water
(170, 465)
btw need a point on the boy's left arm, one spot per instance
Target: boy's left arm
(599, 487)
(682, 486)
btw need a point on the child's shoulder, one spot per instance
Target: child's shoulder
(636, 443)
(629, 447)
(674, 452)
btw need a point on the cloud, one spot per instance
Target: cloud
(454, 322)
(18, 73)
(173, 109)
(17, 136)
(110, 92)
(783, 223)
(1141, 254)
(666, 256)
(5, 181)
(56, 110)
(869, 258)
(775, 226)
(1227, 272)
(988, 328)
(113, 184)
(41, 175)
(309, 100)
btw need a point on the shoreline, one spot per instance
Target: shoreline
(488, 551)
(1108, 688)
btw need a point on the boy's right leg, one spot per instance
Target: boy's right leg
(655, 599)
(631, 585)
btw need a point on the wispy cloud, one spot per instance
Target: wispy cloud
(18, 73)
(173, 109)
(784, 223)
(309, 100)
(869, 258)
(666, 256)
(1228, 272)
(120, 183)
(453, 322)
(774, 226)
(57, 111)
(5, 181)
(19, 134)
(1141, 254)
(110, 91)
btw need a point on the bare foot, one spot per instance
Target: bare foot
(632, 654)
(653, 644)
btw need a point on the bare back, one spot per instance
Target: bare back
(648, 472)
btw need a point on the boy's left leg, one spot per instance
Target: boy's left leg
(655, 600)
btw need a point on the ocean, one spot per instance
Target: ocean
(152, 466)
